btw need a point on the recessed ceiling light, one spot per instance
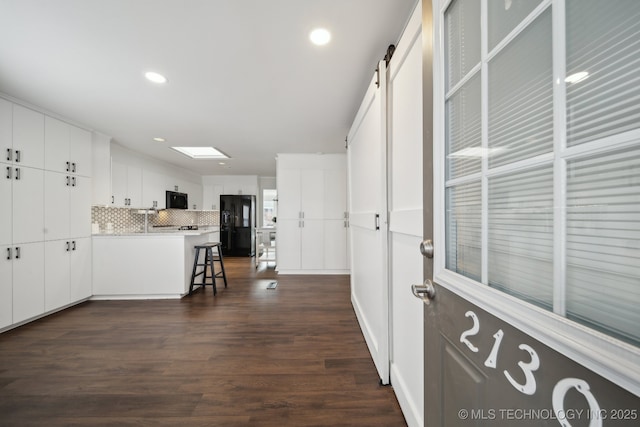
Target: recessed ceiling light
(155, 77)
(577, 77)
(221, 163)
(159, 139)
(320, 36)
(201, 152)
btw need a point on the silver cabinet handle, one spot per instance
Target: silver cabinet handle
(113, 199)
(9, 172)
(17, 252)
(9, 154)
(73, 181)
(68, 247)
(377, 221)
(18, 156)
(73, 167)
(68, 178)
(73, 245)
(9, 254)
(68, 167)
(17, 173)
(426, 292)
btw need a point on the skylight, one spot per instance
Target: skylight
(201, 152)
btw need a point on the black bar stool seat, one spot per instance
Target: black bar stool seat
(210, 258)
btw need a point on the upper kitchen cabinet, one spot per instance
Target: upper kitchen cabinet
(6, 131)
(126, 185)
(28, 137)
(67, 148)
(153, 190)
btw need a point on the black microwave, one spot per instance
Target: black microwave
(177, 200)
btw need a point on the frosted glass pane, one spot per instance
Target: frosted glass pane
(603, 40)
(462, 39)
(505, 15)
(521, 235)
(463, 126)
(521, 96)
(603, 243)
(463, 225)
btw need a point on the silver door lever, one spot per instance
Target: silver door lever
(426, 292)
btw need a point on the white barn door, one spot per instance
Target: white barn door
(367, 214)
(405, 219)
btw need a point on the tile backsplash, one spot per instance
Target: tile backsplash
(126, 220)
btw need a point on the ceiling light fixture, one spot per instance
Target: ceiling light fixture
(155, 77)
(320, 36)
(201, 152)
(159, 139)
(577, 77)
(222, 163)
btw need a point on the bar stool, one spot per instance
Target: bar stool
(209, 259)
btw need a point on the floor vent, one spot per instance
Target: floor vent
(272, 285)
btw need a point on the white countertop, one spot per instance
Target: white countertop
(162, 233)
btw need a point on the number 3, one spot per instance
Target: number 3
(529, 387)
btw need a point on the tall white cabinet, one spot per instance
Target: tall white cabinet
(46, 193)
(312, 214)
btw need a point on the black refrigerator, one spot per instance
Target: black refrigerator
(238, 225)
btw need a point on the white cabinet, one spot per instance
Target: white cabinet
(28, 137)
(6, 209)
(211, 196)
(67, 206)
(126, 185)
(28, 280)
(154, 189)
(67, 148)
(67, 272)
(28, 204)
(312, 223)
(6, 286)
(6, 131)
(194, 192)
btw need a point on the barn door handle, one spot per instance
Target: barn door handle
(426, 292)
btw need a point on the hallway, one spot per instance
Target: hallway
(250, 356)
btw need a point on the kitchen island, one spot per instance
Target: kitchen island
(146, 265)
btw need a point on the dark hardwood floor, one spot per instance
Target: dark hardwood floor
(248, 357)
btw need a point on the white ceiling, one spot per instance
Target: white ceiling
(242, 74)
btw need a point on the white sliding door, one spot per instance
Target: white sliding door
(368, 207)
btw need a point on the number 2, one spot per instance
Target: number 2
(471, 332)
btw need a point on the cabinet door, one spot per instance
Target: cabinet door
(312, 194)
(81, 269)
(134, 187)
(56, 205)
(311, 244)
(6, 132)
(335, 194)
(335, 245)
(80, 207)
(6, 286)
(56, 145)
(288, 237)
(28, 205)
(56, 274)
(288, 194)
(153, 190)
(6, 207)
(28, 137)
(118, 184)
(80, 150)
(28, 281)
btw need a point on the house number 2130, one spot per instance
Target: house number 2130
(528, 368)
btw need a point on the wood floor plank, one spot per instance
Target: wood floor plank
(292, 356)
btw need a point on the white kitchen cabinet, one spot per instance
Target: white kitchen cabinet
(211, 196)
(67, 148)
(194, 192)
(28, 137)
(6, 131)
(67, 272)
(28, 281)
(6, 286)
(57, 274)
(154, 187)
(28, 204)
(80, 207)
(126, 185)
(311, 198)
(6, 209)
(57, 207)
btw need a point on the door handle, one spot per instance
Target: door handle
(68, 247)
(73, 167)
(73, 181)
(426, 292)
(17, 156)
(9, 154)
(73, 245)
(9, 172)
(68, 180)
(68, 167)
(9, 254)
(17, 252)
(17, 173)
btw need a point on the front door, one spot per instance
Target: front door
(503, 343)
